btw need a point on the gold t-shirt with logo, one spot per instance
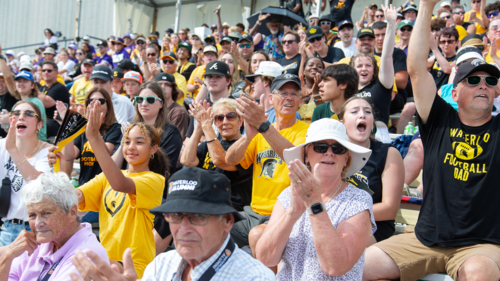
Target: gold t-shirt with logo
(270, 172)
(124, 218)
(80, 89)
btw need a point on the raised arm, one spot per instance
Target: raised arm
(4, 68)
(424, 87)
(386, 74)
(445, 65)
(260, 19)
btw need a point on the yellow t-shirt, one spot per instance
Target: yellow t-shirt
(377, 58)
(489, 59)
(306, 111)
(461, 32)
(180, 80)
(125, 219)
(270, 172)
(197, 72)
(479, 28)
(80, 89)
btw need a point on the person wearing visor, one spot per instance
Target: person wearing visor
(199, 211)
(120, 52)
(103, 57)
(169, 65)
(320, 224)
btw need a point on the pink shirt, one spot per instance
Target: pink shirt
(26, 267)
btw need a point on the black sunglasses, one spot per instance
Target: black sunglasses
(29, 113)
(379, 16)
(150, 100)
(323, 148)
(102, 101)
(325, 22)
(140, 42)
(151, 55)
(462, 12)
(312, 40)
(231, 116)
(79, 53)
(493, 14)
(168, 61)
(403, 29)
(446, 17)
(47, 70)
(476, 79)
(284, 42)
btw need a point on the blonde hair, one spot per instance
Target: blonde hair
(225, 102)
(235, 77)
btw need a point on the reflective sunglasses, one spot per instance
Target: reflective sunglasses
(243, 46)
(168, 61)
(150, 100)
(325, 22)
(284, 42)
(493, 14)
(323, 148)
(194, 219)
(151, 55)
(476, 79)
(102, 101)
(47, 70)
(444, 42)
(28, 113)
(462, 12)
(231, 116)
(312, 40)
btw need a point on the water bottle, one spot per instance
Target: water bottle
(74, 182)
(409, 129)
(415, 130)
(5, 126)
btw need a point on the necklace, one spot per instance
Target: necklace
(335, 192)
(32, 154)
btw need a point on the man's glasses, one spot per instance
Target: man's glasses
(168, 61)
(243, 46)
(379, 16)
(285, 95)
(151, 55)
(231, 116)
(284, 42)
(493, 14)
(194, 219)
(102, 101)
(461, 12)
(312, 40)
(323, 148)
(494, 27)
(476, 79)
(406, 29)
(449, 42)
(325, 22)
(47, 70)
(150, 100)
(28, 113)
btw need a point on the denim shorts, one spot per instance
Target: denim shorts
(10, 231)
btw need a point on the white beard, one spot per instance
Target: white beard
(274, 32)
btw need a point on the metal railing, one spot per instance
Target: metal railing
(64, 39)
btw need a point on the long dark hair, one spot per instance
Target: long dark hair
(110, 118)
(162, 119)
(159, 163)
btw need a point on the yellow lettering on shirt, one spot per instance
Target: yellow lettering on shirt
(208, 160)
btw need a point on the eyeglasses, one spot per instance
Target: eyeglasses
(28, 113)
(406, 29)
(231, 116)
(168, 61)
(151, 55)
(102, 101)
(195, 38)
(476, 79)
(312, 40)
(493, 14)
(243, 46)
(285, 95)
(379, 16)
(323, 148)
(194, 219)
(325, 22)
(461, 12)
(150, 100)
(141, 42)
(47, 70)
(284, 42)
(446, 17)
(494, 27)
(78, 53)
(449, 42)
(113, 43)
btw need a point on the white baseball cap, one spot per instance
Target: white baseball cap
(26, 65)
(10, 53)
(21, 54)
(86, 37)
(266, 68)
(331, 129)
(25, 58)
(445, 3)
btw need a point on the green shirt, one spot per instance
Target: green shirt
(323, 111)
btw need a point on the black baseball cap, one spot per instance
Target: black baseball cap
(163, 76)
(246, 37)
(468, 67)
(217, 68)
(117, 73)
(88, 61)
(101, 72)
(314, 31)
(344, 24)
(282, 79)
(126, 64)
(198, 191)
(365, 31)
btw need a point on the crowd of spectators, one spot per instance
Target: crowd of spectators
(258, 153)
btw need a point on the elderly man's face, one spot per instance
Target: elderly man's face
(199, 242)
(274, 27)
(494, 30)
(477, 98)
(286, 100)
(50, 222)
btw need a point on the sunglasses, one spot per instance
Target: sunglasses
(323, 148)
(140, 43)
(168, 61)
(231, 116)
(312, 40)
(449, 42)
(114, 43)
(325, 23)
(150, 100)
(476, 79)
(47, 70)
(436, 29)
(182, 33)
(462, 12)
(194, 219)
(446, 17)
(80, 54)
(28, 113)
(243, 46)
(493, 14)
(379, 16)
(405, 29)
(476, 1)
(102, 101)
(151, 55)
(284, 42)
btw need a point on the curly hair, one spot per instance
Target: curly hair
(352, 63)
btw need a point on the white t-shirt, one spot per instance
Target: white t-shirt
(69, 65)
(52, 40)
(40, 162)
(123, 107)
(348, 51)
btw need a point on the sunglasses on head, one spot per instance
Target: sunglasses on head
(284, 42)
(476, 79)
(47, 70)
(461, 12)
(102, 101)
(150, 100)
(28, 113)
(151, 55)
(323, 148)
(243, 46)
(493, 14)
(312, 40)
(231, 116)
(325, 22)
(168, 61)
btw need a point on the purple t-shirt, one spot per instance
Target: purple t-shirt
(26, 267)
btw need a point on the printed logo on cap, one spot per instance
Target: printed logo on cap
(313, 30)
(99, 71)
(164, 77)
(477, 62)
(366, 30)
(214, 66)
(115, 73)
(288, 76)
(182, 185)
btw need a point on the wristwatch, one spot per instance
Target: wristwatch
(264, 127)
(316, 208)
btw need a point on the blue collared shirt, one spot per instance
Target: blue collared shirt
(240, 266)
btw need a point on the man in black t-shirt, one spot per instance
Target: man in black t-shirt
(440, 64)
(291, 61)
(7, 101)
(458, 229)
(317, 40)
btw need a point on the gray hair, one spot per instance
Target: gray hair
(55, 186)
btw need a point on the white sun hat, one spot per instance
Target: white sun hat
(331, 129)
(266, 68)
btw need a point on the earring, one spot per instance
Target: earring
(153, 156)
(38, 131)
(308, 166)
(344, 170)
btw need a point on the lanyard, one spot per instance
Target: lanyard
(218, 263)
(51, 270)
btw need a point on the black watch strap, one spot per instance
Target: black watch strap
(264, 127)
